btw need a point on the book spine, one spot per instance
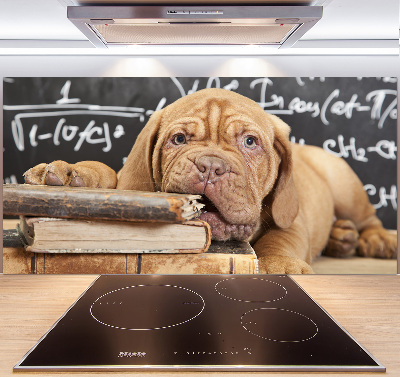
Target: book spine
(98, 204)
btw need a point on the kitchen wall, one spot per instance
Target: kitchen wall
(324, 65)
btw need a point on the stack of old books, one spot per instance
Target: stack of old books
(71, 230)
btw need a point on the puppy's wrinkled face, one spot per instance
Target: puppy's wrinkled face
(222, 149)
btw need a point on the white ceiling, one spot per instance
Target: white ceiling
(45, 20)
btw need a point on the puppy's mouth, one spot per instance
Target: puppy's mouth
(221, 229)
(209, 206)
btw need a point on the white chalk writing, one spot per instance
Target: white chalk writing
(68, 132)
(212, 82)
(331, 105)
(378, 97)
(301, 141)
(92, 134)
(65, 94)
(384, 148)
(383, 196)
(90, 130)
(301, 82)
(299, 106)
(11, 179)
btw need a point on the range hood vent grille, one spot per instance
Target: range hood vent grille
(114, 26)
(198, 33)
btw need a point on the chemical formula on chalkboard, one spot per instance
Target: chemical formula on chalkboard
(76, 119)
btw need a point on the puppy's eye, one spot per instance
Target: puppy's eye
(179, 139)
(250, 142)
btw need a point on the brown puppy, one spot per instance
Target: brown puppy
(282, 197)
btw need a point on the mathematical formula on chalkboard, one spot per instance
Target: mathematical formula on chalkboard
(75, 119)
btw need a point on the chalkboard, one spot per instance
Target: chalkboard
(77, 119)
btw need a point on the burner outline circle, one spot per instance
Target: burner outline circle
(249, 301)
(276, 340)
(153, 328)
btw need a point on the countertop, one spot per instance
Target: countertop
(367, 306)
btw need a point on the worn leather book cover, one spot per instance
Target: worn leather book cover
(99, 204)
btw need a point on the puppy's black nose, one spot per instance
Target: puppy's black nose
(211, 166)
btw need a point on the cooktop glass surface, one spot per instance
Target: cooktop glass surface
(197, 322)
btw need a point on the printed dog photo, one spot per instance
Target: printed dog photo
(291, 201)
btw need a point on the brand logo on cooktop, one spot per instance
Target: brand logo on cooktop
(131, 354)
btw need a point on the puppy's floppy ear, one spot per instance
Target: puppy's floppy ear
(285, 205)
(137, 172)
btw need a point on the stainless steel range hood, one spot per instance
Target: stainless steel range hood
(116, 26)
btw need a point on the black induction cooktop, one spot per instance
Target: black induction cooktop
(197, 322)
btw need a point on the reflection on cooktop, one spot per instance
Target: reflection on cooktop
(197, 322)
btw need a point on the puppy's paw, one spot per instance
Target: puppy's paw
(93, 174)
(343, 240)
(378, 242)
(58, 173)
(34, 176)
(277, 264)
